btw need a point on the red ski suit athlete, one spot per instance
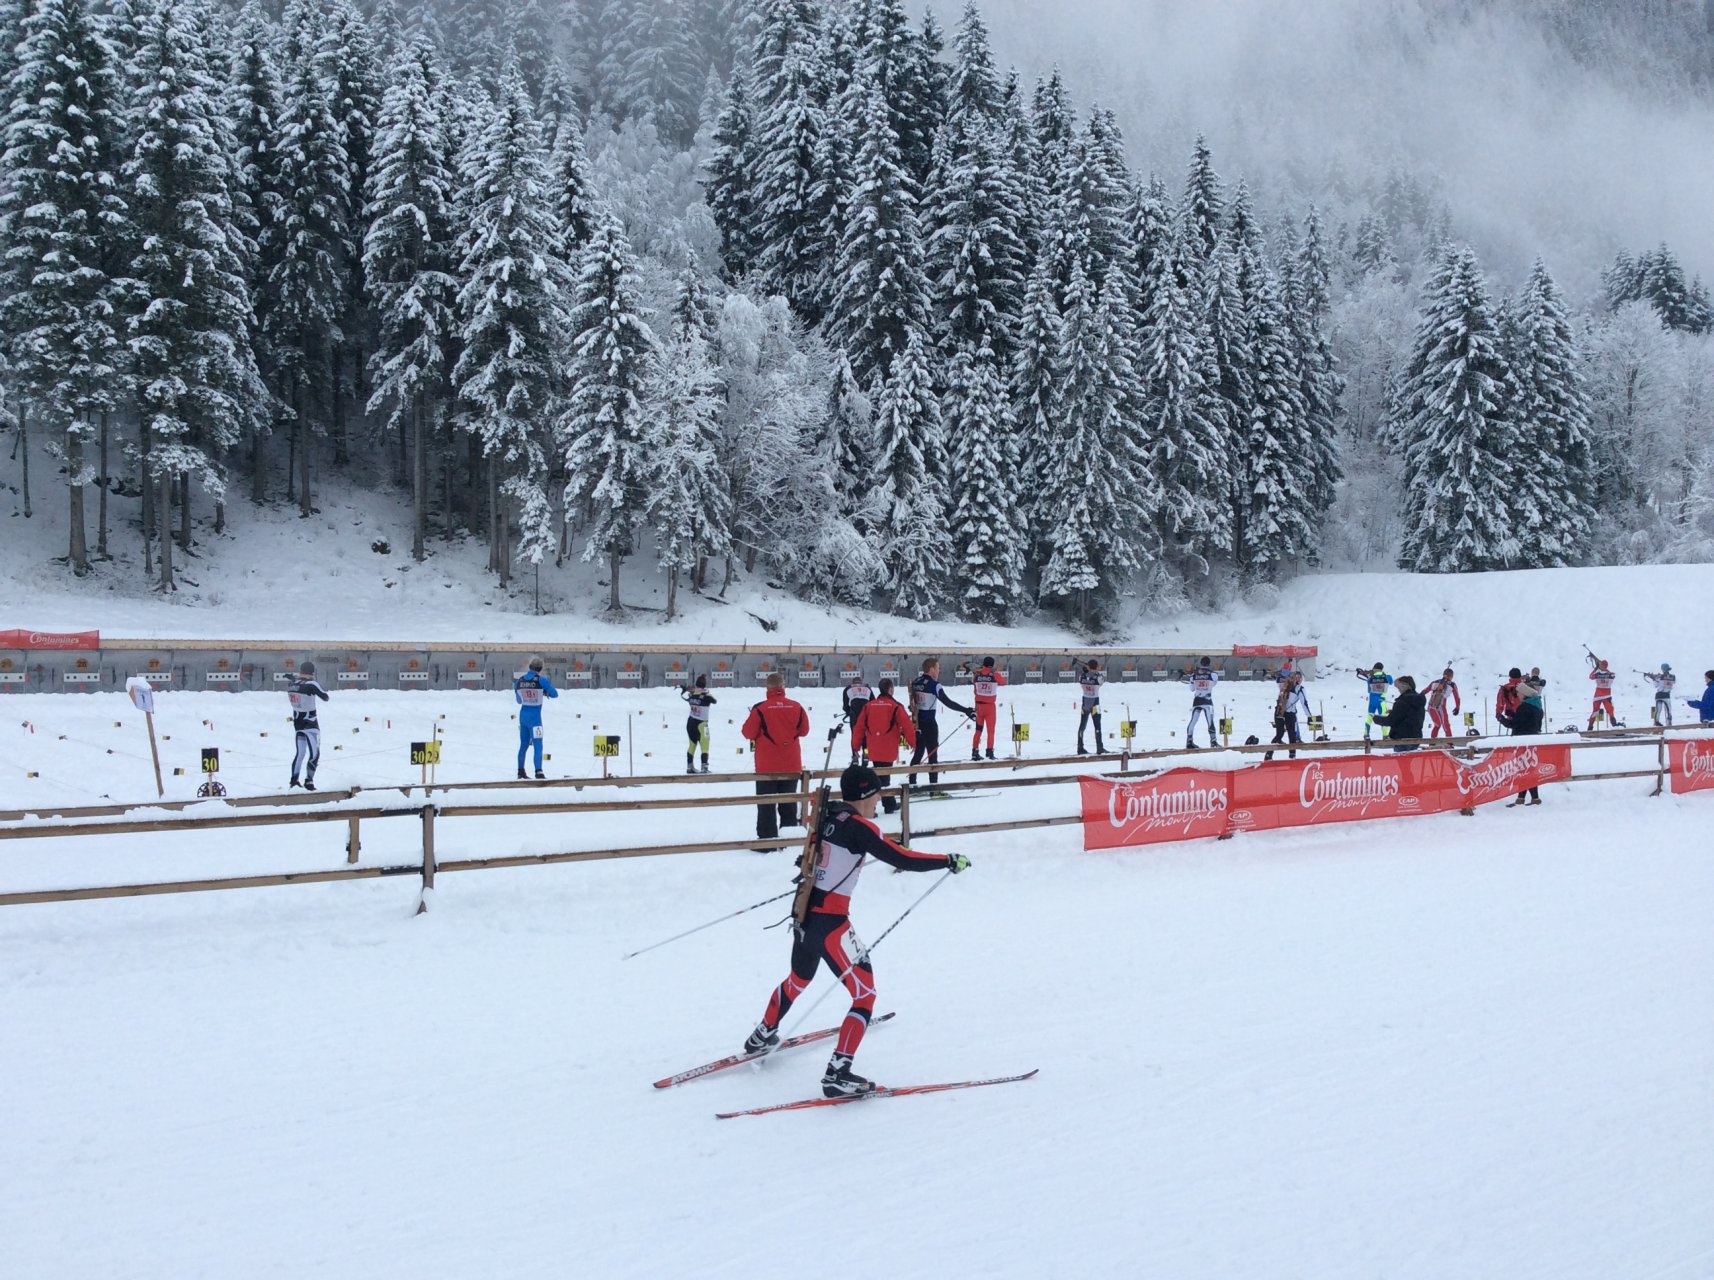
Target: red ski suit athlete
(1603, 679)
(847, 840)
(987, 690)
(879, 727)
(1439, 718)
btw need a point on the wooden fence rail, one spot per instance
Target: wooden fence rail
(427, 811)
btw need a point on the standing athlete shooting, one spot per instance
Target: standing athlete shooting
(1090, 678)
(531, 689)
(1439, 691)
(1603, 677)
(926, 693)
(847, 837)
(302, 692)
(696, 727)
(1378, 682)
(1201, 682)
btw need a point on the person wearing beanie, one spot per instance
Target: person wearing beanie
(1405, 718)
(848, 837)
(985, 689)
(776, 726)
(878, 733)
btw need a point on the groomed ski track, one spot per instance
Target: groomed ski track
(1446, 1046)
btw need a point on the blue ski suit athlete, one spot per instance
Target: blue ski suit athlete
(529, 689)
(1378, 682)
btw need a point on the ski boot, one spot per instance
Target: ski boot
(975, 756)
(841, 1082)
(309, 784)
(1081, 749)
(1100, 747)
(763, 1039)
(1190, 744)
(540, 776)
(1518, 800)
(704, 768)
(522, 776)
(689, 766)
(294, 783)
(990, 753)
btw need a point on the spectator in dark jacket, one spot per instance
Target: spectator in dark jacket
(1526, 722)
(1409, 710)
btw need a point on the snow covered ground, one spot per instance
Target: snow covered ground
(1436, 1047)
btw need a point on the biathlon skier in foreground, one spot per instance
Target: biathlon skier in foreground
(847, 837)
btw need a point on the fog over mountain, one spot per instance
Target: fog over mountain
(1565, 127)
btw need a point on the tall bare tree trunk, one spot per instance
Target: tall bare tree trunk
(341, 445)
(258, 468)
(672, 595)
(419, 481)
(305, 508)
(184, 514)
(615, 561)
(164, 517)
(101, 502)
(79, 546)
(24, 452)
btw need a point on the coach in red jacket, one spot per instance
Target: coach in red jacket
(878, 731)
(777, 726)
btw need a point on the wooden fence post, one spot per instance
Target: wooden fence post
(1661, 765)
(353, 842)
(428, 857)
(904, 813)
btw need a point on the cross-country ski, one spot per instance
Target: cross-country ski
(892, 1091)
(739, 1059)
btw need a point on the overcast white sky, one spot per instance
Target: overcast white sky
(1538, 154)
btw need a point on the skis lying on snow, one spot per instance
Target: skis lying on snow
(901, 1091)
(933, 796)
(738, 1059)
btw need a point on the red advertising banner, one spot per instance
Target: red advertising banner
(1181, 804)
(50, 639)
(1185, 804)
(1692, 766)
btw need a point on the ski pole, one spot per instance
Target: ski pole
(863, 955)
(719, 920)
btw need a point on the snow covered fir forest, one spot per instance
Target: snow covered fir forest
(815, 289)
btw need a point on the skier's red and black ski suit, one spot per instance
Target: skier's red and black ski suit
(847, 840)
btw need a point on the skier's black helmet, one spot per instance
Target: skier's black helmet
(702, 682)
(307, 669)
(859, 782)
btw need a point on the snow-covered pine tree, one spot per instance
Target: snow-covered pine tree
(253, 101)
(1203, 210)
(1054, 125)
(1276, 527)
(62, 217)
(576, 209)
(791, 250)
(661, 76)
(197, 383)
(1450, 425)
(1101, 501)
(687, 504)
(1035, 382)
(849, 432)
(909, 470)
(354, 81)
(1183, 420)
(988, 538)
(1549, 409)
(511, 311)
(1150, 244)
(881, 298)
(1225, 320)
(1373, 253)
(603, 430)
(309, 286)
(1090, 211)
(730, 184)
(411, 262)
(693, 312)
(975, 255)
(1320, 386)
